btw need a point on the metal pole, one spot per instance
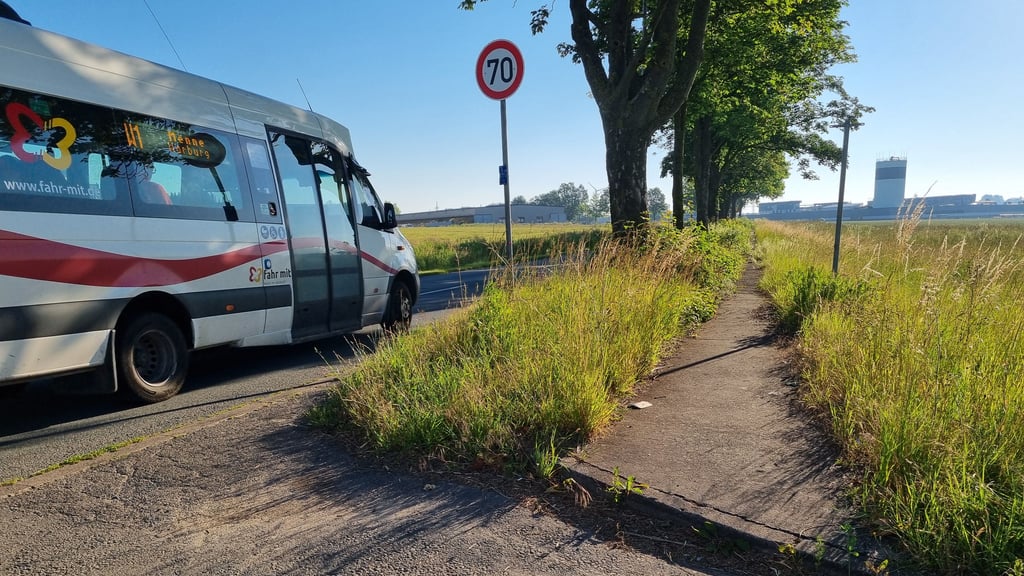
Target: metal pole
(508, 201)
(842, 190)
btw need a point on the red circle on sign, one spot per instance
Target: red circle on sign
(499, 69)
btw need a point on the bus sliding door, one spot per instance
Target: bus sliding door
(325, 272)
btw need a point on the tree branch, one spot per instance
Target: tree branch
(586, 50)
(661, 65)
(686, 71)
(618, 35)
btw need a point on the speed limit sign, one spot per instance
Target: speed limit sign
(499, 69)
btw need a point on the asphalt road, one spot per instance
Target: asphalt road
(52, 421)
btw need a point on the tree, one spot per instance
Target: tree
(599, 204)
(754, 175)
(640, 59)
(757, 95)
(682, 188)
(656, 204)
(570, 196)
(519, 200)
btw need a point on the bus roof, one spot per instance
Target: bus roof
(50, 63)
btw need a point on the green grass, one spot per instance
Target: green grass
(469, 246)
(918, 360)
(542, 360)
(76, 458)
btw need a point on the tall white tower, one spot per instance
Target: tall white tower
(890, 182)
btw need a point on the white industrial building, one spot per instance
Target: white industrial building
(890, 182)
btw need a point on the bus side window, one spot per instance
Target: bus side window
(51, 152)
(184, 171)
(369, 211)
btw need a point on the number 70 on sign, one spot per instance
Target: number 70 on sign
(499, 69)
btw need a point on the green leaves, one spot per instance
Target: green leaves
(762, 97)
(538, 17)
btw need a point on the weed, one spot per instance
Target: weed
(810, 288)
(880, 569)
(327, 413)
(546, 457)
(620, 488)
(75, 459)
(788, 549)
(709, 531)
(851, 545)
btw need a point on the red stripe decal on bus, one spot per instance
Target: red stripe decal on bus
(366, 256)
(38, 259)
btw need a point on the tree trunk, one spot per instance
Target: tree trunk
(716, 204)
(702, 169)
(679, 147)
(626, 164)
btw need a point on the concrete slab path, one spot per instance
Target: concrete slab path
(725, 445)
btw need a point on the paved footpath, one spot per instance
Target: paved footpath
(724, 442)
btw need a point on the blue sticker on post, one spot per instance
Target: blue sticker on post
(503, 174)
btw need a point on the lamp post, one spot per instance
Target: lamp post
(842, 190)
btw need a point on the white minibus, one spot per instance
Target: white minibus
(146, 212)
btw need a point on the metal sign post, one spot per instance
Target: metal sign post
(503, 179)
(842, 189)
(499, 71)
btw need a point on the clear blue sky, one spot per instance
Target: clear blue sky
(945, 77)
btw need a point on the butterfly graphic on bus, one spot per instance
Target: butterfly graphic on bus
(16, 112)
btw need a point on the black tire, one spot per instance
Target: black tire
(152, 358)
(398, 316)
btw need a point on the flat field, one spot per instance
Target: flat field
(447, 248)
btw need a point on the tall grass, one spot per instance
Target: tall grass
(922, 375)
(541, 360)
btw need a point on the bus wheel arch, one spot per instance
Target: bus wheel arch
(151, 352)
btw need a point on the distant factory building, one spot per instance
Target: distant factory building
(778, 207)
(890, 182)
(521, 214)
(954, 201)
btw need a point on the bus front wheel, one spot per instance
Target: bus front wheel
(152, 357)
(398, 316)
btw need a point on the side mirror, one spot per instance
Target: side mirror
(390, 219)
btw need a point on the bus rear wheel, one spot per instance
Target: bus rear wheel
(152, 357)
(398, 317)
